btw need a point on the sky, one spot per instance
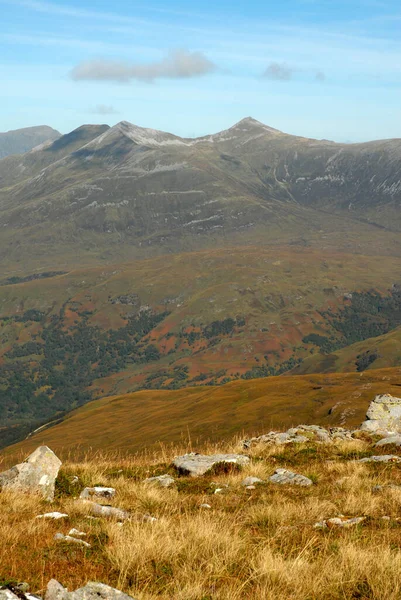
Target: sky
(319, 68)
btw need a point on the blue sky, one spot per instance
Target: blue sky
(319, 68)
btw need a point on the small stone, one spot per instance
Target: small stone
(101, 510)
(250, 487)
(207, 506)
(283, 477)
(53, 515)
(163, 481)
(385, 458)
(251, 481)
(76, 533)
(69, 538)
(97, 492)
(148, 518)
(339, 522)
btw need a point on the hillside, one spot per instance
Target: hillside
(144, 420)
(372, 353)
(135, 259)
(176, 321)
(19, 141)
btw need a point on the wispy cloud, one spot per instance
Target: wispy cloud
(279, 71)
(104, 109)
(178, 64)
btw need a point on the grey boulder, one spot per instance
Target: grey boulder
(91, 591)
(251, 481)
(383, 416)
(37, 474)
(284, 477)
(195, 465)
(394, 440)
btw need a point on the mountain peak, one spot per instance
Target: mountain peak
(251, 123)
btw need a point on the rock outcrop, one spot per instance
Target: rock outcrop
(383, 416)
(36, 475)
(196, 465)
(301, 435)
(163, 481)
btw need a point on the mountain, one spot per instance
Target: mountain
(133, 258)
(24, 140)
(129, 192)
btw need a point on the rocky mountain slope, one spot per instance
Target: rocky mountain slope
(129, 191)
(19, 141)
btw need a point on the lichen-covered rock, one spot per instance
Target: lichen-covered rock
(383, 416)
(196, 465)
(284, 477)
(36, 475)
(163, 481)
(97, 492)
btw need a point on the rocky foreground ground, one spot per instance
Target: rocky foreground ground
(303, 514)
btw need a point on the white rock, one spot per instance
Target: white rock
(251, 481)
(69, 538)
(163, 481)
(97, 492)
(53, 515)
(76, 533)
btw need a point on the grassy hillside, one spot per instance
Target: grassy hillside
(256, 543)
(144, 419)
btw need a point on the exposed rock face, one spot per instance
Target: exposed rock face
(36, 475)
(301, 435)
(196, 465)
(383, 416)
(283, 476)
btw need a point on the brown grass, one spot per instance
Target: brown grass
(257, 544)
(147, 418)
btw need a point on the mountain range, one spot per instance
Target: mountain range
(19, 141)
(133, 258)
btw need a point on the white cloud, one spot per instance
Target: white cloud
(104, 109)
(178, 64)
(279, 71)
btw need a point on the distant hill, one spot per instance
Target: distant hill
(143, 420)
(19, 141)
